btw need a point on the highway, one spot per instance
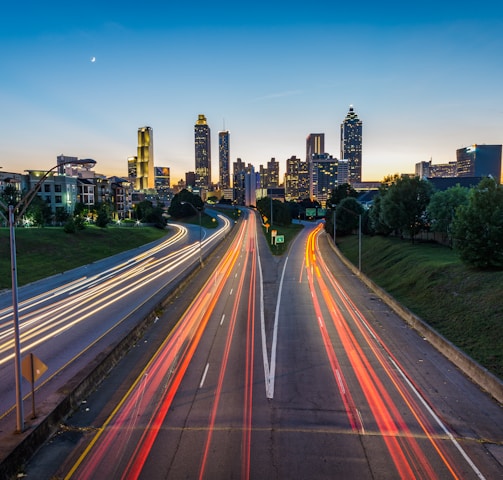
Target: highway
(69, 319)
(288, 369)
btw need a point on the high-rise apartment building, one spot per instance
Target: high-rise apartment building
(479, 161)
(315, 145)
(224, 160)
(351, 145)
(202, 153)
(141, 168)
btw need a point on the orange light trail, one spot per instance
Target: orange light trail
(408, 457)
(369, 334)
(346, 396)
(247, 416)
(171, 361)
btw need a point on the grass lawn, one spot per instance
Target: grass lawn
(463, 304)
(42, 252)
(289, 233)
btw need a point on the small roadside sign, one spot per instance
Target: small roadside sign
(32, 368)
(280, 239)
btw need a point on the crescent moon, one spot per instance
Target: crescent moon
(93, 59)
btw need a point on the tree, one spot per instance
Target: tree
(346, 217)
(404, 204)
(104, 215)
(146, 212)
(39, 212)
(69, 226)
(477, 228)
(442, 208)
(10, 195)
(376, 224)
(280, 211)
(179, 207)
(341, 192)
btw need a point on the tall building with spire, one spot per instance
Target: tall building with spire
(351, 145)
(202, 153)
(224, 160)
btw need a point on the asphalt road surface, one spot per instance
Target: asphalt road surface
(281, 368)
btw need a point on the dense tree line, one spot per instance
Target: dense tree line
(468, 219)
(185, 204)
(275, 211)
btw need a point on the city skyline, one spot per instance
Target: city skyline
(80, 81)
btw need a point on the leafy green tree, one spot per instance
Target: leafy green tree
(403, 206)
(10, 195)
(442, 208)
(376, 223)
(347, 214)
(69, 226)
(375, 219)
(146, 212)
(478, 226)
(179, 207)
(39, 212)
(80, 223)
(104, 215)
(80, 209)
(280, 211)
(341, 192)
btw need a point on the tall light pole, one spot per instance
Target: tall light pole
(200, 230)
(21, 207)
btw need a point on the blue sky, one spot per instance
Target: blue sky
(425, 78)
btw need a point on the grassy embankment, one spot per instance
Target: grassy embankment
(289, 233)
(463, 304)
(42, 252)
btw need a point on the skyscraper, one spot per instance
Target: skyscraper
(224, 159)
(315, 145)
(238, 181)
(141, 167)
(203, 153)
(351, 145)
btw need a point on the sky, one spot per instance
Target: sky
(425, 78)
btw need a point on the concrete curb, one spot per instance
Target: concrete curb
(473, 370)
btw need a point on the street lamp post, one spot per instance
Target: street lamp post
(200, 230)
(21, 207)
